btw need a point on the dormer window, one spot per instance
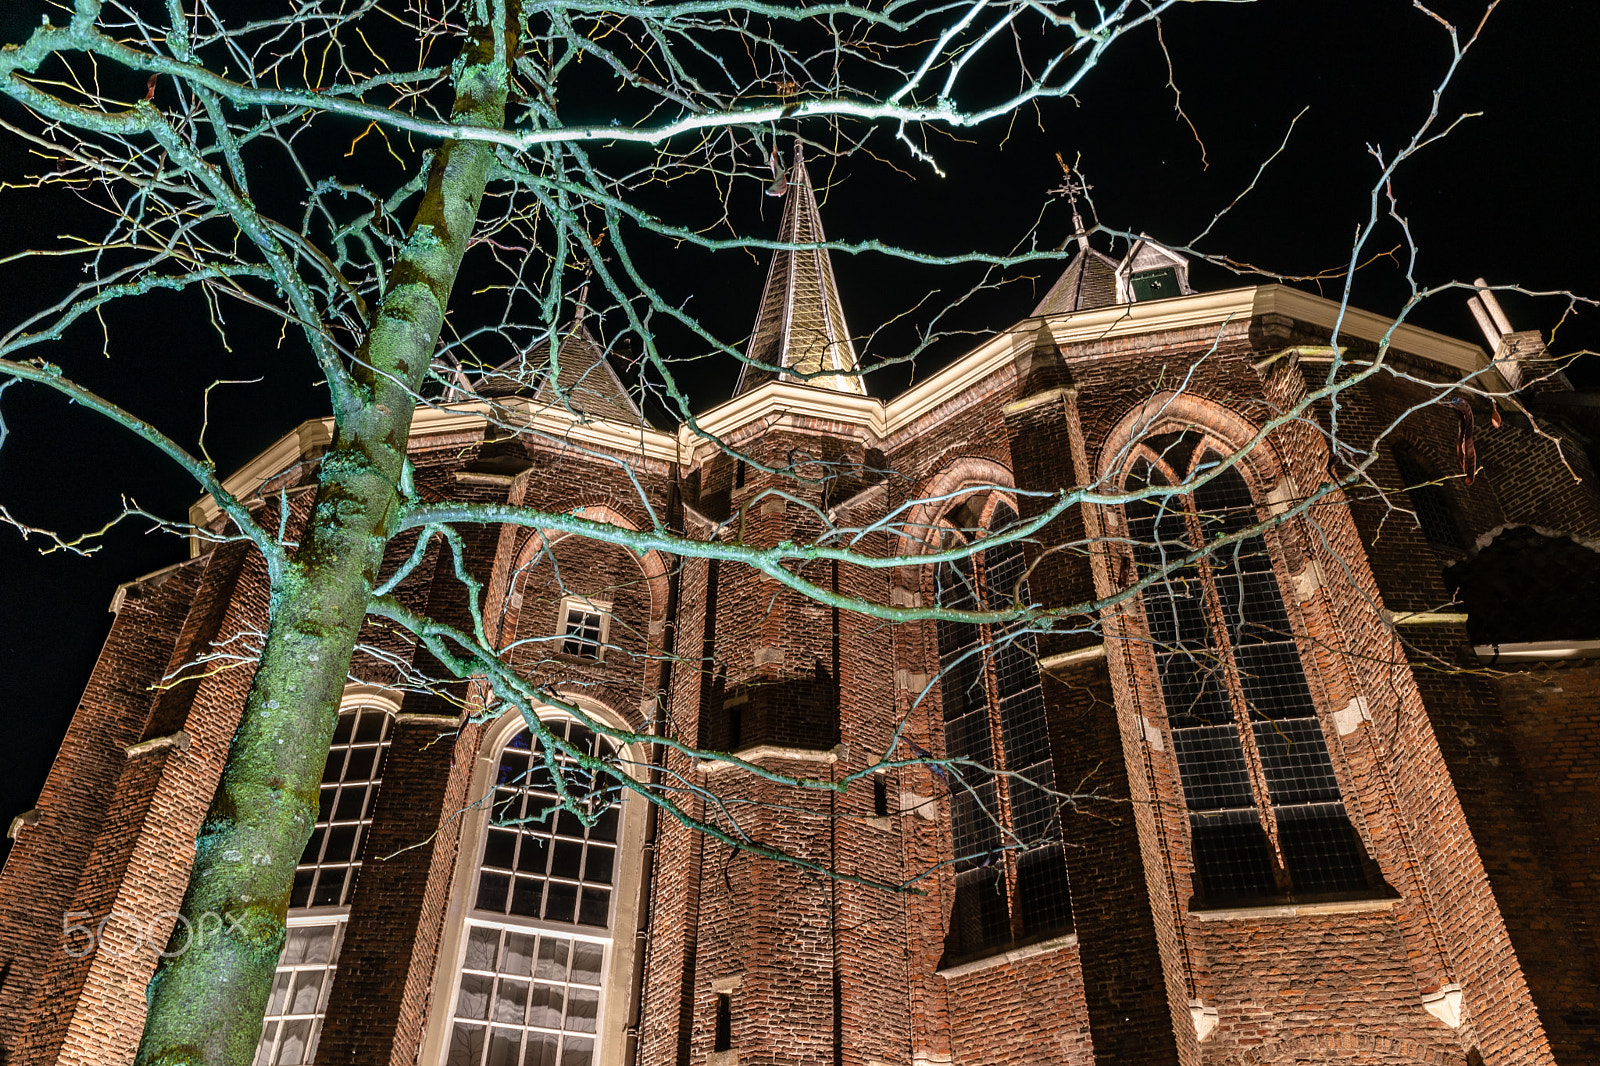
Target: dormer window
(1155, 284)
(1151, 272)
(583, 627)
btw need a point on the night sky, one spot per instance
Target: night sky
(1507, 196)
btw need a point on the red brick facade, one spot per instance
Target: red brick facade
(1473, 792)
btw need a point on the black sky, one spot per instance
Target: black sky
(1509, 195)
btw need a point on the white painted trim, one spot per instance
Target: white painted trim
(773, 751)
(26, 820)
(382, 696)
(1017, 955)
(1445, 1004)
(1293, 910)
(1426, 618)
(589, 606)
(778, 398)
(310, 438)
(451, 720)
(1067, 659)
(1537, 651)
(120, 597)
(625, 902)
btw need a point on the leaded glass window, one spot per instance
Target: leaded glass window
(326, 875)
(1011, 879)
(1265, 813)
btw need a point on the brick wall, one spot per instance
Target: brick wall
(1473, 796)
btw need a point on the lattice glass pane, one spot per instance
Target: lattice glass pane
(539, 860)
(293, 1021)
(526, 997)
(1195, 688)
(954, 586)
(1042, 889)
(1174, 607)
(1212, 767)
(982, 914)
(967, 737)
(350, 780)
(975, 822)
(1016, 662)
(1024, 730)
(1320, 848)
(1231, 854)
(1225, 500)
(1294, 755)
(581, 631)
(963, 684)
(1033, 809)
(1274, 682)
(1004, 568)
(1251, 600)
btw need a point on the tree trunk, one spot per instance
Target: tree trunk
(206, 1004)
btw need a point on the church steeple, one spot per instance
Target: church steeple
(800, 326)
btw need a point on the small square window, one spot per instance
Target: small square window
(583, 628)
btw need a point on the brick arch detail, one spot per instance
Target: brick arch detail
(653, 564)
(1261, 466)
(944, 489)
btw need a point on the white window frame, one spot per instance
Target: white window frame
(356, 698)
(620, 958)
(602, 608)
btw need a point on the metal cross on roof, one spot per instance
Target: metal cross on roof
(1072, 186)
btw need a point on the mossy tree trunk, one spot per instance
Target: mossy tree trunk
(206, 1003)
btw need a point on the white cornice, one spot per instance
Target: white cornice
(1322, 312)
(777, 399)
(310, 438)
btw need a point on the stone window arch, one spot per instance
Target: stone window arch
(1010, 869)
(1266, 816)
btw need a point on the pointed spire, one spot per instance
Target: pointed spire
(800, 326)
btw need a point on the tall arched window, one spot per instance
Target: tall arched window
(323, 884)
(1011, 877)
(538, 935)
(1265, 813)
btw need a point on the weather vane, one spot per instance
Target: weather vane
(1072, 186)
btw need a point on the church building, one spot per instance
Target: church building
(1330, 796)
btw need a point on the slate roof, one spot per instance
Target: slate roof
(1090, 280)
(801, 325)
(584, 381)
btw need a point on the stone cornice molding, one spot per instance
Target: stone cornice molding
(780, 401)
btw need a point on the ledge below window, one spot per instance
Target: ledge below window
(1293, 910)
(1014, 955)
(757, 753)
